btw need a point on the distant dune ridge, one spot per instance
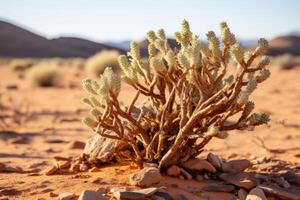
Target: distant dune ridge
(19, 42)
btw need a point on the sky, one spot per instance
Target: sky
(117, 20)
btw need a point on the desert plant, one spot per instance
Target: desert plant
(97, 63)
(192, 96)
(43, 75)
(19, 64)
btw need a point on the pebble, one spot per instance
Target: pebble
(136, 194)
(279, 192)
(242, 194)
(256, 194)
(242, 179)
(76, 145)
(199, 165)
(236, 166)
(51, 170)
(174, 170)
(218, 187)
(215, 160)
(66, 196)
(63, 164)
(187, 175)
(90, 195)
(292, 177)
(146, 177)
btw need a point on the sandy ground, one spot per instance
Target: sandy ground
(52, 120)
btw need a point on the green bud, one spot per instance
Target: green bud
(89, 122)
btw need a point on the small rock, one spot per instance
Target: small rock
(150, 165)
(75, 167)
(102, 190)
(137, 194)
(12, 87)
(292, 177)
(279, 192)
(236, 166)
(242, 179)
(199, 177)
(83, 167)
(256, 194)
(51, 170)
(76, 145)
(199, 165)
(66, 196)
(146, 177)
(90, 195)
(9, 192)
(52, 194)
(242, 194)
(215, 160)
(187, 175)
(174, 170)
(95, 169)
(218, 187)
(97, 180)
(63, 164)
(164, 195)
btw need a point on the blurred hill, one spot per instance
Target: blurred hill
(289, 44)
(18, 42)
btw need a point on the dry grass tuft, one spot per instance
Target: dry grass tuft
(96, 64)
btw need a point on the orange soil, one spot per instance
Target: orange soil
(56, 114)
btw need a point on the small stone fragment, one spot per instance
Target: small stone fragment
(187, 175)
(242, 179)
(75, 167)
(218, 187)
(256, 194)
(236, 166)
(174, 170)
(95, 169)
(215, 160)
(242, 194)
(137, 194)
(90, 195)
(279, 192)
(199, 165)
(146, 177)
(76, 145)
(66, 196)
(83, 167)
(52, 194)
(292, 177)
(63, 164)
(51, 170)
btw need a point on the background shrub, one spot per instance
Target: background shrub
(43, 75)
(96, 64)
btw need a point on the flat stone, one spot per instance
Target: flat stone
(218, 187)
(292, 177)
(51, 170)
(90, 195)
(280, 192)
(215, 160)
(174, 170)
(76, 145)
(146, 177)
(236, 166)
(63, 164)
(102, 149)
(256, 194)
(199, 165)
(137, 194)
(242, 194)
(66, 196)
(242, 179)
